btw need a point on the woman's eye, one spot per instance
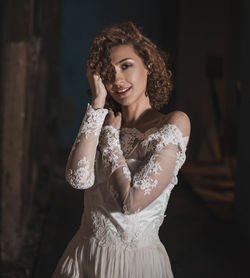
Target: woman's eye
(125, 66)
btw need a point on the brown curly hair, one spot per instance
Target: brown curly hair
(159, 84)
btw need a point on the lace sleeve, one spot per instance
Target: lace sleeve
(158, 172)
(80, 165)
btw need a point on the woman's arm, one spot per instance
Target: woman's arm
(80, 165)
(158, 171)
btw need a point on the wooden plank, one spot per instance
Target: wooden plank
(14, 90)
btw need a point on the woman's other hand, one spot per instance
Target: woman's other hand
(98, 90)
(113, 120)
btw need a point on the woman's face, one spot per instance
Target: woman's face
(131, 76)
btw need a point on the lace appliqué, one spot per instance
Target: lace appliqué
(126, 172)
(91, 124)
(81, 177)
(111, 149)
(93, 121)
(129, 139)
(127, 212)
(108, 234)
(143, 179)
(169, 133)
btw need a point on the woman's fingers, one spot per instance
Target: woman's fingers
(109, 117)
(111, 114)
(118, 120)
(96, 77)
(113, 120)
(98, 90)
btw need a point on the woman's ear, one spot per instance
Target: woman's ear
(148, 69)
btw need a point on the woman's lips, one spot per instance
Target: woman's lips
(123, 91)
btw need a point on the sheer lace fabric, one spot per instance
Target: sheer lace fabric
(128, 176)
(165, 157)
(80, 165)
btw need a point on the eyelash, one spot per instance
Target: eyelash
(125, 66)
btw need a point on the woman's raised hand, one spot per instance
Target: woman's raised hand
(98, 90)
(113, 120)
(99, 94)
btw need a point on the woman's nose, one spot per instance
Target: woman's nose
(118, 77)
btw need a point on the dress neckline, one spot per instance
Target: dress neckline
(151, 130)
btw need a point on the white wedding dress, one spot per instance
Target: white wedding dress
(128, 177)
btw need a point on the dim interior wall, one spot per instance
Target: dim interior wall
(203, 31)
(242, 192)
(12, 146)
(218, 28)
(28, 75)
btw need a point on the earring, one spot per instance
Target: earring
(146, 93)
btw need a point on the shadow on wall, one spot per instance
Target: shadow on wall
(209, 90)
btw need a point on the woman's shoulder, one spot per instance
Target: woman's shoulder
(179, 119)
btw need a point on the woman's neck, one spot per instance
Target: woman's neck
(135, 114)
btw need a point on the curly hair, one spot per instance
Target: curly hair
(159, 84)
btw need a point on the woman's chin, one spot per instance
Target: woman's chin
(124, 102)
(121, 101)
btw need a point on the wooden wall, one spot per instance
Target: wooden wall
(29, 73)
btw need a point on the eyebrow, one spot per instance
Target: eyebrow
(122, 60)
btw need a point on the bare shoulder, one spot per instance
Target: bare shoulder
(181, 120)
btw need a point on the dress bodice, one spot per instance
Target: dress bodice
(127, 176)
(103, 217)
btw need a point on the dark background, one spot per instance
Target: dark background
(43, 94)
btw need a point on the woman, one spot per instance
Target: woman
(126, 158)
